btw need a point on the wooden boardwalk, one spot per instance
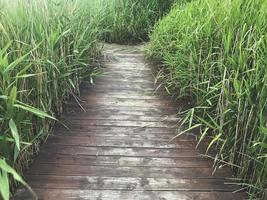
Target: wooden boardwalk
(118, 148)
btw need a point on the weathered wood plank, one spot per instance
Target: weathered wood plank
(119, 130)
(130, 75)
(115, 171)
(119, 83)
(121, 95)
(129, 183)
(129, 195)
(119, 76)
(124, 94)
(152, 110)
(128, 102)
(109, 79)
(165, 138)
(134, 87)
(121, 69)
(54, 158)
(119, 123)
(116, 142)
(119, 151)
(119, 117)
(126, 66)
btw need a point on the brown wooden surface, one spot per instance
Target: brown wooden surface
(117, 146)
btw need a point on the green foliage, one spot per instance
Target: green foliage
(5, 169)
(216, 52)
(129, 21)
(46, 48)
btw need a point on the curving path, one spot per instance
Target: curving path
(118, 148)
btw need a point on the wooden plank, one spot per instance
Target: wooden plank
(153, 110)
(116, 171)
(119, 76)
(126, 66)
(127, 114)
(129, 183)
(123, 136)
(121, 95)
(100, 108)
(119, 151)
(54, 158)
(85, 91)
(119, 84)
(114, 64)
(115, 142)
(133, 60)
(127, 97)
(109, 79)
(116, 130)
(128, 102)
(113, 58)
(125, 55)
(122, 116)
(132, 74)
(129, 195)
(123, 58)
(122, 133)
(126, 105)
(119, 87)
(98, 122)
(124, 82)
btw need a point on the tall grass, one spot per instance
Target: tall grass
(129, 21)
(216, 52)
(46, 48)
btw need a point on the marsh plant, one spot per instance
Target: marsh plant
(215, 53)
(46, 48)
(130, 21)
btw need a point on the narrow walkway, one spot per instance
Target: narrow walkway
(118, 148)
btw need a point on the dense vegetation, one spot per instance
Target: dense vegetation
(47, 47)
(216, 52)
(129, 21)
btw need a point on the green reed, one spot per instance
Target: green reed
(215, 52)
(129, 21)
(46, 48)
